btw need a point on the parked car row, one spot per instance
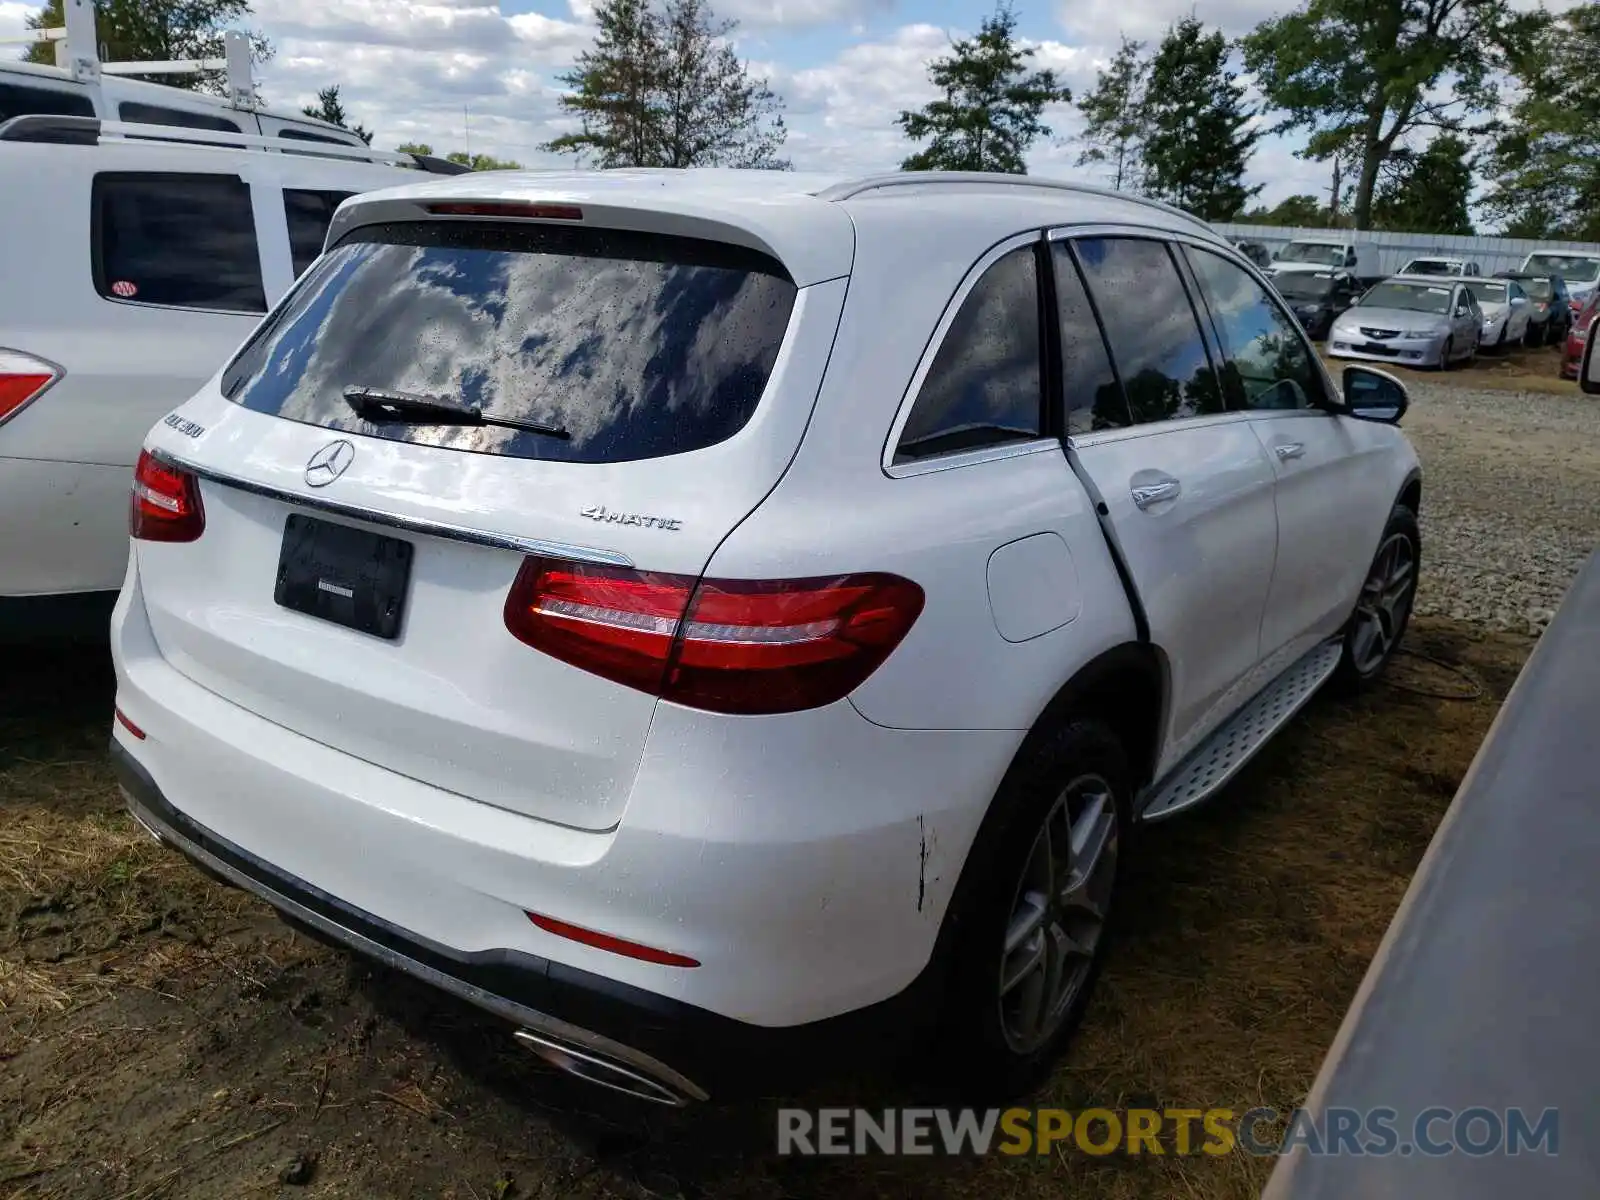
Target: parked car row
(1437, 311)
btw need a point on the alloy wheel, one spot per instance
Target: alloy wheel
(1058, 917)
(1384, 605)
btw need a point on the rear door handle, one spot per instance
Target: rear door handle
(1289, 450)
(1147, 494)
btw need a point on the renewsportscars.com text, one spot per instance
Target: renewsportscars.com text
(1430, 1132)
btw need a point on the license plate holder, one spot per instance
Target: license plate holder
(348, 576)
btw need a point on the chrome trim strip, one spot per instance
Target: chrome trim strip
(418, 525)
(967, 458)
(554, 1027)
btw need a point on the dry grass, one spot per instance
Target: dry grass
(163, 1037)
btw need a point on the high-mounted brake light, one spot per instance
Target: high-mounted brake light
(724, 645)
(539, 212)
(23, 379)
(165, 505)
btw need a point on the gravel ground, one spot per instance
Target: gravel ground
(1510, 500)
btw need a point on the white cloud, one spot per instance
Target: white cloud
(13, 22)
(463, 74)
(760, 14)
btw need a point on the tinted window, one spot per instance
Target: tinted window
(155, 114)
(18, 101)
(1093, 397)
(303, 135)
(309, 215)
(985, 383)
(1266, 362)
(636, 345)
(183, 240)
(1154, 337)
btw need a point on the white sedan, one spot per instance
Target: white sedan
(1506, 311)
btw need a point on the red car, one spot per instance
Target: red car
(1581, 326)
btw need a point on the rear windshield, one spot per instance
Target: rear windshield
(631, 345)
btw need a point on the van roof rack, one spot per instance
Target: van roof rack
(91, 131)
(77, 50)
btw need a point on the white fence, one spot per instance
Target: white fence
(1395, 249)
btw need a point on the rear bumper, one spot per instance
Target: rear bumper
(689, 1053)
(805, 864)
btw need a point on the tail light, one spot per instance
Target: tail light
(23, 379)
(732, 646)
(166, 503)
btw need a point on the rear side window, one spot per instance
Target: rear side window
(186, 241)
(309, 214)
(1155, 338)
(19, 101)
(632, 346)
(155, 114)
(985, 384)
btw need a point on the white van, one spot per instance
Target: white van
(1356, 258)
(140, 256)
(1578, 268)
(28, 89)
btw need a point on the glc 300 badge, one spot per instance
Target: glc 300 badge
(599, 512)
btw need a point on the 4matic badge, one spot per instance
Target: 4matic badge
(599, 512)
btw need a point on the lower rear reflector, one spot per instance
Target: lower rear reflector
(616, 945)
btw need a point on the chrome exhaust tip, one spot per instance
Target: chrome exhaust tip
(600, 1070)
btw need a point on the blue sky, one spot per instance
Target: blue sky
(481, 75)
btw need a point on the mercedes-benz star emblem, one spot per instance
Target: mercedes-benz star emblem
(329, 463)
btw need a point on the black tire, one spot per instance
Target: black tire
(1357, 665)
(980, 1056)
(1535, 336)
(1444, 355)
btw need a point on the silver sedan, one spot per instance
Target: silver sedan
(1411, 321)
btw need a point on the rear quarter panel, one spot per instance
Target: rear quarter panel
(837, 511)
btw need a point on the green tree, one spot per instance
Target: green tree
(1197, 136)
(992, 106)
(1113, 115)
(330, 108)
(1300, 210)
(157, 30)
(663, 87)
(481, 162)
(1362, 75)
(414, 148)
(1428, 192)
(1545, 161)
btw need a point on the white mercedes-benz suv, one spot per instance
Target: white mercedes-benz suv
(719, 620)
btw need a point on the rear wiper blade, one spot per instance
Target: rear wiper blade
(382, 404)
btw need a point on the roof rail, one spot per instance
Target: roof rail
(90, 131)
(873, 183)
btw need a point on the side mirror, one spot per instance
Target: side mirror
(1372, 395)
(1350, 258)
(1589, 373)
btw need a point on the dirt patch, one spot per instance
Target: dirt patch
(1514, 369)
(165, 1037)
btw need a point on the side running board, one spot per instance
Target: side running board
(1234, 743)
